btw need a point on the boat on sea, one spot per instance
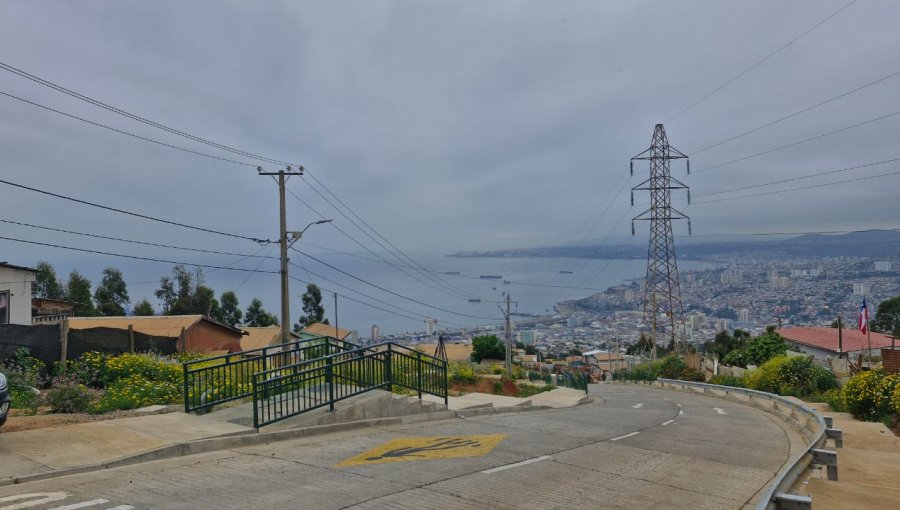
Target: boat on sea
(490, 277)
(565, 272)
(474, 300)
(451, 272)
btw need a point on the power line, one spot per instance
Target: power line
(390, 291)
(135, 257)
(823, 232)
(134, 241)
(119, 111)
(358, 301)
(138, 215)
(809, 176)
(401, 253)
(780, 147)
(123, 132)
(759, 63)
(798, 112)
(799, 188)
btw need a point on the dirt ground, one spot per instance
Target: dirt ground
(22, 419)
(485, 385)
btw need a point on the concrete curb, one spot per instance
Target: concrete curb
(253, 438)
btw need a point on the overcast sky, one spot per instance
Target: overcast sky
(445, 125)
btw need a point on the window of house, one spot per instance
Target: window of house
(4, 307)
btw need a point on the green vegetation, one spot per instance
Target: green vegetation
(487, 347)
(754, 351)
(887, 318)
(796, 376)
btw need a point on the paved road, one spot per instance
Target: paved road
(633, 447)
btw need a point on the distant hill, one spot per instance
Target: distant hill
(874, 243)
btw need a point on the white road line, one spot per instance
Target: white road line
(45, 497)
(679, 405)
(680, 413)
(638, 406)
(720, 410)
(668, 422)
(626, 435)
(86, 504)
(121, 507)
(515, 465)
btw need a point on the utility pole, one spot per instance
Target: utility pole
(506, 314)
(283, 176)
(335, 317)
(662, 290)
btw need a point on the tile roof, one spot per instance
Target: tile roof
(157, 325)
(827, 338)
(320, 329)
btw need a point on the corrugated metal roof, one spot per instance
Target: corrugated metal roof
(827, 338)
(320, 329)
(159, 325)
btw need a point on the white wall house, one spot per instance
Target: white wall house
(15, 294)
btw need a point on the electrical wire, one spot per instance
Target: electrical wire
(822, 232)
(135, 257)
(798, 112)
(780, 147)
(792, 179)
(127, 133)
(361, 280)
(137, 215)
(799, 188)
(759, 63)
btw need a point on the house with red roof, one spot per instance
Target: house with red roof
(824, 343)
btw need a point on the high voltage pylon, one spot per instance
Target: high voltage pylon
(663, 309)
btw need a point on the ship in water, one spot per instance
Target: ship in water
(565, 272)
(491, 277)
(452, 272)
(474, 300)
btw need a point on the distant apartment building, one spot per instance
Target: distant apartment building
(574, 322)
(429, 326)
(805, 273)
(744, 315)
(376, 332)
(860, 289)
(629, 296)
(721, 324)
(526, 337)
(697, 320)
(732, 277)
(883, 265)
(779, 282)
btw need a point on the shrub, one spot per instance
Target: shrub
(145, 365)
(137, 391)
(90, 369)
(895, 398)
(860, 395)
(835, 400)
(796, 376)
(689, 374)
(462, 373)
(68, 395)
(498, 387)
(884, 393)
(528, 390)
(670, 367)
(727, 380)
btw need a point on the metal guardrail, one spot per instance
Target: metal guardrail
(776, 495)
(286, 391)
(228, 377)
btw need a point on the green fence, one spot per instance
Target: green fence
(575, 380)
(286, 391)
(220, 379)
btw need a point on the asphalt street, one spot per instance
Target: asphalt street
(631, 447)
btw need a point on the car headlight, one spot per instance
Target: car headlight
(2, 382)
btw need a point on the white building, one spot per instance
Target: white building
(526, 337)
(15, 294)
(883, 265)
(429, 326)
(744, 315)
(376, 332)
(860, 289)
(732, 277)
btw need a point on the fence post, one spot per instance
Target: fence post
(187, 404)
(131, 338)
(419, 373)
(388, 370)
(255, 403)
(329, 381)
(63, 341)
(446, 383)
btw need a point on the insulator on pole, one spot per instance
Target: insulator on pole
(689, 197)
(689, 227)
(688, 166)
(632, 227)
(631, 164)
(632, 197)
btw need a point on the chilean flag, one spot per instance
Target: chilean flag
(864, 318)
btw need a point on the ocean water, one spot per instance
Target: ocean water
(529, 288)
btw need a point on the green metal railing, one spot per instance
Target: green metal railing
(220, 379)
(283, 392)
(574, 380)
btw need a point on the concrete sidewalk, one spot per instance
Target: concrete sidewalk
(52, 451)
(868, 467)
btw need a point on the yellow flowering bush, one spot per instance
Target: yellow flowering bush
(884, 395)
(862, 396)
(895, 398)
(462, 373)
(137, 391)
(146, 365)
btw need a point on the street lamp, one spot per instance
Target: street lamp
(285, 299)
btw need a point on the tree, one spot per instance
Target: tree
(487, 346)
(184, 294)
(204, 302)
(230, 311)
(258, 317)
(530, 349)
(143, 309)
(79, 292)
(644, 344)
(520, 345)
(313, 311)
(887, 318)
(45, 284)
(111, 295)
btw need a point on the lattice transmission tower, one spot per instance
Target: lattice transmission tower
(663, 310)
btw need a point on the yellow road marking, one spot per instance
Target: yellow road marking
(426, 448)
